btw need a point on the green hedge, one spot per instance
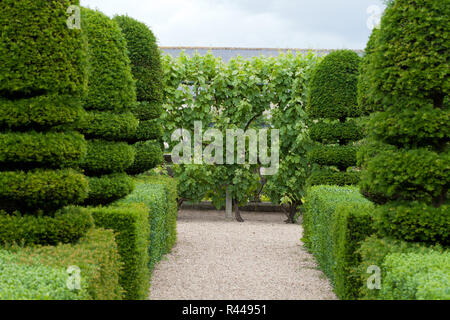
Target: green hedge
(416, 174)
(411, 127)
(42, 55)
(130, 223)
(108, 188)
(67, 225)
(414, 221)
(40, 273)
(320, 208)
(148, 156)
(333, 88)
(330, 177)
(155, 198)
(104, 157)
(32, 149)
(41, 189)
(373, 252)
(145, 59)
(39, 112)
(111, 84)
(340, 156)
(148, 130)
(108, 126)
(415, 276)
(336, 132)
(352, 223)
(144, 110)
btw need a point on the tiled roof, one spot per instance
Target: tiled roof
(228, 52)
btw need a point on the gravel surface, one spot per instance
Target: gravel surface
(215, 259)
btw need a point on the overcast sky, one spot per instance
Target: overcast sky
(309, 24)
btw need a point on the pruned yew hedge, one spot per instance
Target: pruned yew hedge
(144, 110)
(335, 132)
(34, 149)
(39, 53)
(336, 178)
(339, 156)
(108, 188)
(67, 225)
(148, 156)
(40, 112)
(108, 126)
(41, 189)
(106, 157)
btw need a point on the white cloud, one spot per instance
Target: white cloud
(249, 23)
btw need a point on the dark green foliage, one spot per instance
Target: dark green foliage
(132, 230)
(148, 130)
(148, 156)
(108, 126)
(411, 65)
(41, 189)
(111, 85)
(412, 127)
(352, 223)
(373, 252)
(340, 156)
(144, 110)
(333, 89)
(67, 225)
(145, 59)
(369, 149)
(320, 210)
(336, 132)
(416, 174)
(104, 157)
(39, 53)
(96, 255)
(363, 81)
(39, 112)
(108, 188)
(32, 149)
(330, 177)
(414, 221)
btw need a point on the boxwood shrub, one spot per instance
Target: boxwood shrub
(130, 223)
(32, 149)
(340, 156)
(320, 210)
(67, 225)
(40, 56)
(41, 189)
(41, 272)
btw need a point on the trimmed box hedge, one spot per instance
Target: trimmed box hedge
(130, 223)
(336, 178)
(41, 273)
(374, 251)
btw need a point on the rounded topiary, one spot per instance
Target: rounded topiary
(148, 156)
(333, 88)
(145, 59)
(40, 112)
(144, 110)
(39, 54)
(407, 76)
(111, 84)
(108, 188)
(332, 100)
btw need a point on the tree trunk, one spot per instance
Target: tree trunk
(237, 213)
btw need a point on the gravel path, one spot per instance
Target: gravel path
(215, 259)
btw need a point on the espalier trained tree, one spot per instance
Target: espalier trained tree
(332, 101)
(108, 125)
(42, 78)
(146, 68)
(408, 73)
